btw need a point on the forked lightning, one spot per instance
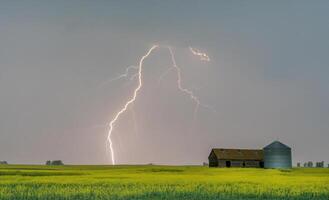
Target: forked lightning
(139, 74)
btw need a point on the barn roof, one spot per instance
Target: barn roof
(238, 154)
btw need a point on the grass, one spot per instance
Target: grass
(160, 182)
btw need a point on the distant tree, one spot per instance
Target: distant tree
(320, 164)
(310, 164)
(48, 162)
(57, 162)
(3, 162)
(298, 164)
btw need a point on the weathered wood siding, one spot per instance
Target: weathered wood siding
(213, 161)
(236, 163)
(252, 163)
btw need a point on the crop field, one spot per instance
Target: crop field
(160, 182)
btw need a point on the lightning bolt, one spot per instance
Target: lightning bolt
(181, 88)
(188, 92)
(121, 76)
(132, 99)
(203, 56)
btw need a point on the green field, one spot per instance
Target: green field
(160, 182)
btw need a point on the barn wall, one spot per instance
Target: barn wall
(252, 163)
(213, 162)
(236, 163)
(221, 163)
(239, 163)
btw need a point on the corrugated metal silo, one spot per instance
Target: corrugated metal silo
(277, 155)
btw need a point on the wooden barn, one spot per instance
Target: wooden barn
(236, 158)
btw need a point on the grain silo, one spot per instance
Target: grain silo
(277, 155)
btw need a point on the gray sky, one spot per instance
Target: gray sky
(267, 79)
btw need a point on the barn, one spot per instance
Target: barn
(275, 156)
(236, 158)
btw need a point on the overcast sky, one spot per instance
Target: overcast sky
(267, 79)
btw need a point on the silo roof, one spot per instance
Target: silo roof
(277, 145)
